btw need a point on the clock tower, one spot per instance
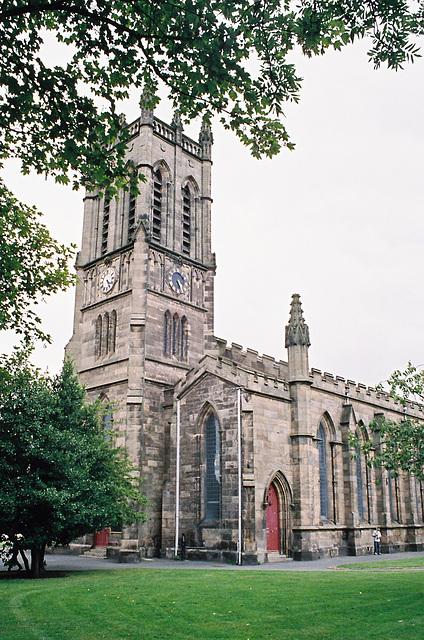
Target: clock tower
(144, 299)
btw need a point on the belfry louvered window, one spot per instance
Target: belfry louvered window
(105, 225)
(157, 206)
(186, 221)
(323, 473)
(213, 470)
(131, 215)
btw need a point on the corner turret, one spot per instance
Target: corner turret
(206, 139)
(297, 342)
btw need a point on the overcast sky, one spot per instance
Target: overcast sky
(339, 221)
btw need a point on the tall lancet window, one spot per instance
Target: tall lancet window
(323, 473)
(183, 338)
(157, 206)
(105, 225)
(359, 482)
(175, 335)
(213, 470)
(98, 338)
(186, 222)
(167, 334)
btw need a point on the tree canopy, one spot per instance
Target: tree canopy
(398, 446)
(32, 265)
(59, 115)
(60, 474)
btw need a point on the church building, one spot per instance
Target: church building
(243, 458)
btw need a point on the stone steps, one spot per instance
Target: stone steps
(274, 556)
(98, 552)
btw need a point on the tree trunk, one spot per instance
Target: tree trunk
(37, 559)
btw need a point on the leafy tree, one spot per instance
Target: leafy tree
(60, 475)
(398, 446)
(224, 57)
(32, 265)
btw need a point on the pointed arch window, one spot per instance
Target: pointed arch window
(175, 335)
(323, 473)
(167, 334)
(359, 482)
(157, 205)
(213, 469)
(394, 496)
(105, 225)
(105, 334)
(183, 338)
(112, 332)
(98, 337)
(186, 220)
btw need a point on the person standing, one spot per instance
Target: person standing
(376, 534)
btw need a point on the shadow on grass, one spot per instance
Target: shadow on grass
(23, 575)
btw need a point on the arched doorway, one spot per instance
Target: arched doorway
(272, 520)
(278, 516)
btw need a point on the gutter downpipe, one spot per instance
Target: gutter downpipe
(239, 470)
(177, 482)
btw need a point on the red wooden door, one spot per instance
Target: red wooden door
(101, 539)
(272, 521)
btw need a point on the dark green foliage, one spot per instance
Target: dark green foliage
(60, 476)
(32, 265)
(224, 57)
(202, 50)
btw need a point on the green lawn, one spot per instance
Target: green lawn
(407, 563)
(213, 605)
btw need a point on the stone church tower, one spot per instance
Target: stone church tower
(244, 457)
(144, 300)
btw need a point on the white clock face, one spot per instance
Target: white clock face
(107, 280)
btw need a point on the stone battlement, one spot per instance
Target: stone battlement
(238, 374)
(167, 132)
(361, 392)
(252, 359)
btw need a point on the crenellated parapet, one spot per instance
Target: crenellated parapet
(352, 391)
(240, 375)
(169, 133)
(252, 359)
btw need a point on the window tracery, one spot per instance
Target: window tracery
(175, 336)
(105, 334)
(213, 469)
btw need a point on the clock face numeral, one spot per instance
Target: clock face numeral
(107, 280)
(177, 281)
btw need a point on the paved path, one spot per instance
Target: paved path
(62, 562)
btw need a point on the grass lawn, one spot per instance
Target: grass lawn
(213, 605)
(407, 563)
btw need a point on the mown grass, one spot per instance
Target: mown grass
(407, 563)
(214, 605)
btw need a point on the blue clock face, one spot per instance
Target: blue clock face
(177, 281)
